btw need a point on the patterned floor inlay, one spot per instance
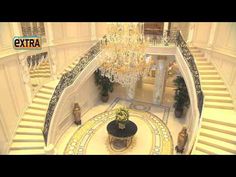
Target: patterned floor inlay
(152, 137)
(142, 106)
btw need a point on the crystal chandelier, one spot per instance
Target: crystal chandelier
(124, 60)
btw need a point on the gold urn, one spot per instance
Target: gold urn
(77, 114)
(182, 140)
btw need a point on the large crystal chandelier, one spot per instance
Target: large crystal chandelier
(124, 59)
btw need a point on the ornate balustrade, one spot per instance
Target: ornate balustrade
(168, 37)
(66, 80)
(193, 68)
(34, 61)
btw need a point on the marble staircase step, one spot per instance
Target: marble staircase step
(27, 145)
(33, 118)
(43, 96)
(228, 147)
(36, 106)
(28, 131)
(221, 93)
(212, 82)
(217, 105)
(40, 101)
(210, 67)
(36, 112)
(28, 138)
(31, 124)
(215, 87)
(46, 91)
(208, 72)
(218, 99)
(211, 150)
(218, 135)
(210, 77)
(218, 127)
(27, 152)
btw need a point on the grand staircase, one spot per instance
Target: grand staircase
(217, 134)
(28, 139)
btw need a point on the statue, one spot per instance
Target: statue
(182, 139)
(77, 114)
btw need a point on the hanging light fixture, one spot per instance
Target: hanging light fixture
(124, 59)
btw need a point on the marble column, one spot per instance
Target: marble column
(165, 33)
(131, 91)
(160, 77)
(48, 27)
(212, 35)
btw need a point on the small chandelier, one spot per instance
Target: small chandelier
(124, 59)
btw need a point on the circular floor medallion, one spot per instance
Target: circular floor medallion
(140, 106)
(153, 137)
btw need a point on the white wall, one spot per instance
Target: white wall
(13, 96)
(101, 29)
(86, 95)
(182, 26)
(218, 41)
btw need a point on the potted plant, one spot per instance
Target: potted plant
(105, 85)
(122, 117)
(181, 97)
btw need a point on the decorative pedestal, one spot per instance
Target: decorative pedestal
(121, 139)
(159, 81)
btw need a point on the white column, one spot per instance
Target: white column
(93, 31)
(6, 36)
(190, 33)
(166, 25)
(131, 91)
(159, 81)
(165, 37)
(212, 35)
(16, 28)
(48, 32)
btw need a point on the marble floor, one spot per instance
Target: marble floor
(144, 93)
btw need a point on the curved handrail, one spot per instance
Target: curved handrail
(193, 68)
(66, 80)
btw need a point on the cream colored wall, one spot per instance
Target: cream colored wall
(68, 42)
(70, 32)
(86, 95)
(13, 95)
(201, 34)
(182, 26)
(218, 41)
(101, 29)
